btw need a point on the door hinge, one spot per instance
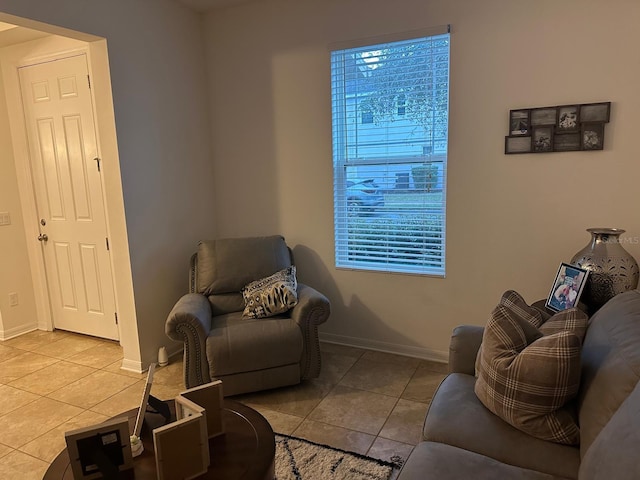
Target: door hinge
(107, 242)
(115, 314)
(97, 160)
(89, 80)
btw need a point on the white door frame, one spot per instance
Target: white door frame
(25, 181)
(60, 47)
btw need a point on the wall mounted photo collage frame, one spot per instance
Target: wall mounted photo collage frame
(563, 128)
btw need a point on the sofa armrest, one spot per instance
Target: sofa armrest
(190, 322)
(312, 309)
(463, 348)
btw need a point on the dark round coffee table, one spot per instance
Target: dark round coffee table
(245, 451)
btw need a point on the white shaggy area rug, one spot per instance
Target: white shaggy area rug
(298, 459)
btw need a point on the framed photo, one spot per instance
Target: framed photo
(100, 451)
(568, 142)
(568, 119)
(543, 116)
(182, 448)
(145, 400)
(519, 122)
(567, 287)
(186, 408)
(595, 112)
(517, 144)
(592, 136)
(542, 138)
(210, 397)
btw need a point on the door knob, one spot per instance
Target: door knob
(43, 237)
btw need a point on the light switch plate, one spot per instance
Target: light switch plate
(5, 219)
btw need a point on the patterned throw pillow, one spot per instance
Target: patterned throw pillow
(528, 375)
(514, 301)
(269, 296)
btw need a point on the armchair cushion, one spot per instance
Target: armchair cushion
(227, 265)
(237, 344)
(269, 296)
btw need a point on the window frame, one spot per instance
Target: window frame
(341, 162)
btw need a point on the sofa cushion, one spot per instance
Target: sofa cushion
(444, 462)
(610, 363)
(226, 265)
(614, 452)
(456, 417)
(269, 296)
(237, 344)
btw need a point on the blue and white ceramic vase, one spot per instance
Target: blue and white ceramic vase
(612, 270)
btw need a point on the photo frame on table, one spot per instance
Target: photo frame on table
(209, 397)
(185, 408)
(146, 393)
(100, 451)
(567, 287)
(519, 122)
(182, 448)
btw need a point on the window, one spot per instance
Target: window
(367, 116)
(402, 105)
(390, 173)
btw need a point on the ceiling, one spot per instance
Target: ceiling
(204, 5)
(12, 34)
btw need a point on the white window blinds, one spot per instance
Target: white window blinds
(390, 104)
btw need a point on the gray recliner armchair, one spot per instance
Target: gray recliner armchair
(246, 354)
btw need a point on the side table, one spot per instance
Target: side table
(245, 451)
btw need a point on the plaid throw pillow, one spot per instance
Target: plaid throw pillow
(269, 296)
(527, 375)
(514, 301)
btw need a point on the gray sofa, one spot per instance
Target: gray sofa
(464, 440)
(247, 354)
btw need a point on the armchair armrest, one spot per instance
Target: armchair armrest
(190, 322)
(312, 310)
(463, 348)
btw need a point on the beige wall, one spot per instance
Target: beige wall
(511, 219)
(15, 274)
(159, 97)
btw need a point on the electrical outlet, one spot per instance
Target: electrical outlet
(13, 299)
(5, 219)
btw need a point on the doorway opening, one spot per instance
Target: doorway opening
(23, 44)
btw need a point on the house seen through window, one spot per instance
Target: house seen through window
(390, 104)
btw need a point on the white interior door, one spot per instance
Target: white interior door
(68, 189)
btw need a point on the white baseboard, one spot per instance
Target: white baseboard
(132, 366)
(406, 350)
(16, 331)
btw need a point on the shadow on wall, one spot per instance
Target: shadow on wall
(357, 322)
(312, 271)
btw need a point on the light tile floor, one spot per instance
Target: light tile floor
(50, 382)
